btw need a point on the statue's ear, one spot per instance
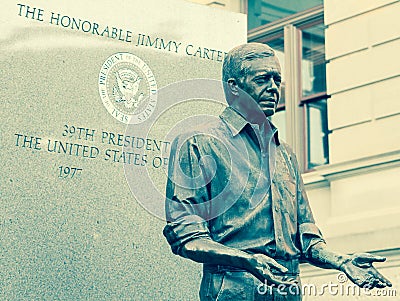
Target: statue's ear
(233, 86)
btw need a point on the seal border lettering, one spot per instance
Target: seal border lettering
(151, 100)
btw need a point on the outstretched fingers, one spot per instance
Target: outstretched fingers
(365, 260)
(382, 280)
(268, 277)
(272, 263)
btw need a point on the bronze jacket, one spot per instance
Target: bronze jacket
(229, 183)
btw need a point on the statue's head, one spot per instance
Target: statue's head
(252, 69)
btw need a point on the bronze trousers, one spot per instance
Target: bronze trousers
(225, 283)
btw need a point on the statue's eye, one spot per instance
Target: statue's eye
(260, 80)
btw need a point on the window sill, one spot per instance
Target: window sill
(321, 176)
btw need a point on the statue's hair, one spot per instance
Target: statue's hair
(233, 62)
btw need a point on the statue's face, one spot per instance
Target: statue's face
(263, 82)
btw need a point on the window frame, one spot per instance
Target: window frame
(290, 29)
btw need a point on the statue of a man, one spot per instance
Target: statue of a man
(246, 216)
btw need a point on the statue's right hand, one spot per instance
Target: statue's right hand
(260, 266)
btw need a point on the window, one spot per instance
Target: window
(262, 12)
(295, 29)
(314, 98)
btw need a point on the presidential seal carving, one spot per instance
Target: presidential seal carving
(127, 88)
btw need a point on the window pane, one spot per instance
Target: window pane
(317, 130)
(261, 12)
(313, 63)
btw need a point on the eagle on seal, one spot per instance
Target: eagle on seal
(127, 87)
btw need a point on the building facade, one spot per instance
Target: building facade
(341, 115)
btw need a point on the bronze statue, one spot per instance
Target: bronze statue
(246, 216)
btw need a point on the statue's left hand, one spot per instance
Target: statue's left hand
(358, 268)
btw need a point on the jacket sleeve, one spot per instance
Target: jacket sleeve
(186, 203)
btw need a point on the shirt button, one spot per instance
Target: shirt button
(276, 208)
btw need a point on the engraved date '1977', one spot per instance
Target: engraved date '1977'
(68, 172)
